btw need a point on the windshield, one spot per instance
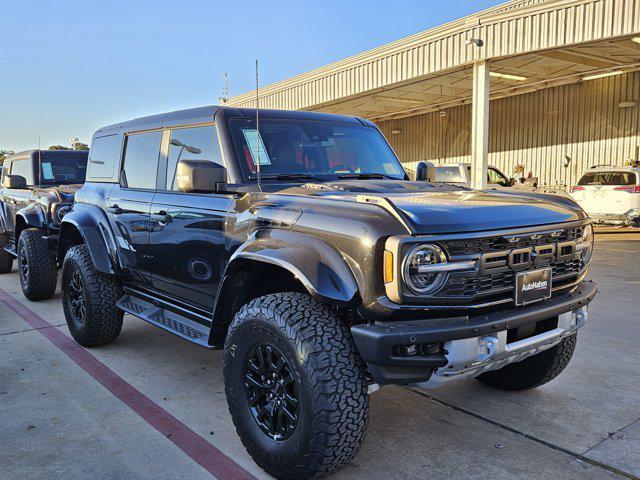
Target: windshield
(317, 149)
(63, 169)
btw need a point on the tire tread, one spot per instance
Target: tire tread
(104, 320)
(336, 376)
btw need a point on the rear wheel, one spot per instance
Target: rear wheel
(6, 259)
(89, 300)
(295, 386)
(533, 371)
(38, 272)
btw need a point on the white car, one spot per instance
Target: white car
(610, 195)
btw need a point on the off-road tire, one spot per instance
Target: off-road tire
(39, 274)
(102, 320)
(330, 376)
(533, 371)
(6, 259)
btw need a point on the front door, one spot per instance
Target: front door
(187, 229)
(188, 245)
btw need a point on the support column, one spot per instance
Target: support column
(480, 125)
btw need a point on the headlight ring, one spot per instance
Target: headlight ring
(424, 282)
(60, 212)
(585, 243)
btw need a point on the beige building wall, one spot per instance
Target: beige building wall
(584, 121)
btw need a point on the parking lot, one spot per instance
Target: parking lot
(152, 406)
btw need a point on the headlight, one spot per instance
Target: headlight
(585, 243)
(418, 270)
(59, 211)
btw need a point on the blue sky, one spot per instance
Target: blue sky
(69, 67)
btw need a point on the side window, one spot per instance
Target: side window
(141, 159)
(196, 143)
(495, 177)
(5, 170)
(22, 168)
(102, 157)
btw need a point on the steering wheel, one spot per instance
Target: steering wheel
(342, 166)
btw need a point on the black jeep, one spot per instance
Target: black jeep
(296, 242)
(37, 191)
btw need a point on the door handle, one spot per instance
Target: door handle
(115, 209)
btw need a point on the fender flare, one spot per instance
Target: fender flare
(33, 216)
(95, 231)
(321, 269)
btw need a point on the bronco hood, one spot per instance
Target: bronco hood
(60, 193)
(439, 208)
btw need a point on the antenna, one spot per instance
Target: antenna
(225, 88)
(258, 139)
(39, 158)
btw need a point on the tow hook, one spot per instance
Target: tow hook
(487, 348)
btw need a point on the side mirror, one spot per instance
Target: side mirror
(200, 176)
(426, 172)
(511, 182)
(15, 181)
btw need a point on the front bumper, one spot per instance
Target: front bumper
(485, 334)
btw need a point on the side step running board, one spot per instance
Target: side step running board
(165, 319)
(11, 250)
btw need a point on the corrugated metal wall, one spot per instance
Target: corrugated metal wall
(583, 121)
(506, 31)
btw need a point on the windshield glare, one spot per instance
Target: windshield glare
(59, 169)
(321, 149)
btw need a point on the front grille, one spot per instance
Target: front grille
(508, 242)
(500, 258)
(466, 285)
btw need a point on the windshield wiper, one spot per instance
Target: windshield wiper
(286, 176)
(367, 176)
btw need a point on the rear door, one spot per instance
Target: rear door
(607, 192)
(187, 229)
(129, 203)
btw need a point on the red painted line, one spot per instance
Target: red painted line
(196, 447)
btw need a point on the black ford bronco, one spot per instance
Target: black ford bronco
(296, 243)
(36, 193)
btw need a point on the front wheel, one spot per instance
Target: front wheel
(89, 300)
(37, 268)
(533, 371)
(295, 386)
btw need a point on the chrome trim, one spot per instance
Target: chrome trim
(447, 267)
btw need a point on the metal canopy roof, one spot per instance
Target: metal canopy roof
(536, 43)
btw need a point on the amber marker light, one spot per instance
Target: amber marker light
(388, 266)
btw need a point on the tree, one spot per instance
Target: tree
(4, 154)
(74, 144)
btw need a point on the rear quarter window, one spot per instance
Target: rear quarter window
(102, 158)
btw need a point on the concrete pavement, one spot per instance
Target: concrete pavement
(57, 420)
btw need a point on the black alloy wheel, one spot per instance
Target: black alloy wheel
(271, 391)
(23, 267)
(76, 298)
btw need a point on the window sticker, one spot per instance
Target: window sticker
(47, 171)
(256, 146)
